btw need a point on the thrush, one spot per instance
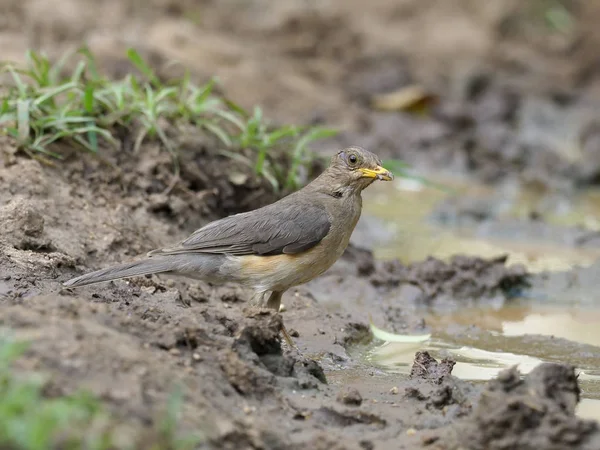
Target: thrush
(273, 248)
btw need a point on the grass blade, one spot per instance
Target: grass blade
(141, 65)
(236, 108)
(260, 161)
(218, 132)
(300, 148)
(90, 62)
(88, 99)
(43, 105)
(23, 124)
(53, 93)
(22, 87)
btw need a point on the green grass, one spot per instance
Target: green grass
(43, 106)
(31, 421)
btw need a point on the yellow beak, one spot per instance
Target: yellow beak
(380, 173)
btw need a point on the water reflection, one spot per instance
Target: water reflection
(575, 324)
(484, 341)
(589, 408)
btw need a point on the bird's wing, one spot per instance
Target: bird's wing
(281, 228)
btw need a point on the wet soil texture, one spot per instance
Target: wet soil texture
(509, 90)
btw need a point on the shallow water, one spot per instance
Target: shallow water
(546, 244)
(485, 341)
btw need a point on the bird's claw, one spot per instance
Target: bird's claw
(288, 338)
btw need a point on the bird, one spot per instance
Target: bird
(272, 248)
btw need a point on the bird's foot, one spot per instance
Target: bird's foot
(288, 338)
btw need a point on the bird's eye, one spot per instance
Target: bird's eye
(352, 159)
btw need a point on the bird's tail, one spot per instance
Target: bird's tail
(132, 269)
(201, 266)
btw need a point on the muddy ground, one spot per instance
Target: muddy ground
(514, 94)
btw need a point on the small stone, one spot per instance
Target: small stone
(148, 289)
(394, 390)
(170, 283)
(294, 333)
(411, 432)
(282, 308)
(350, 396)
(196, 357)
(238, 178)
(175, 351)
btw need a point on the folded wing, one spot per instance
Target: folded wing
(284, 228)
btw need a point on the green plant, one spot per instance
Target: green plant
(168, 426)
(44, 106)
(31, 421)
(254, 133)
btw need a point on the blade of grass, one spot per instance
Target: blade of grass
(21, 86)
(79, 72)
(271, 178)
(53, 93)
(300, 147)
(237, 109)
(141, 65)
(236, 157)
(90, 62)
(218, 132)
(23, 124)
(88, 98)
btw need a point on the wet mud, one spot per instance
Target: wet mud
(131, 342)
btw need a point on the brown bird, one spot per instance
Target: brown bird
(273, 248)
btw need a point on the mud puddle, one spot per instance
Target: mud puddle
(534, 228)
(485, 341)
(540, 229)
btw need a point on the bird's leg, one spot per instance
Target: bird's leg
(274, 302)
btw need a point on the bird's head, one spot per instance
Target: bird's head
(354, 169)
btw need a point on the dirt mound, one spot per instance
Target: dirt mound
(461, 278)
(531, 413)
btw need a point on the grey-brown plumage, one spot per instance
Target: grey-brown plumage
(275, 247)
